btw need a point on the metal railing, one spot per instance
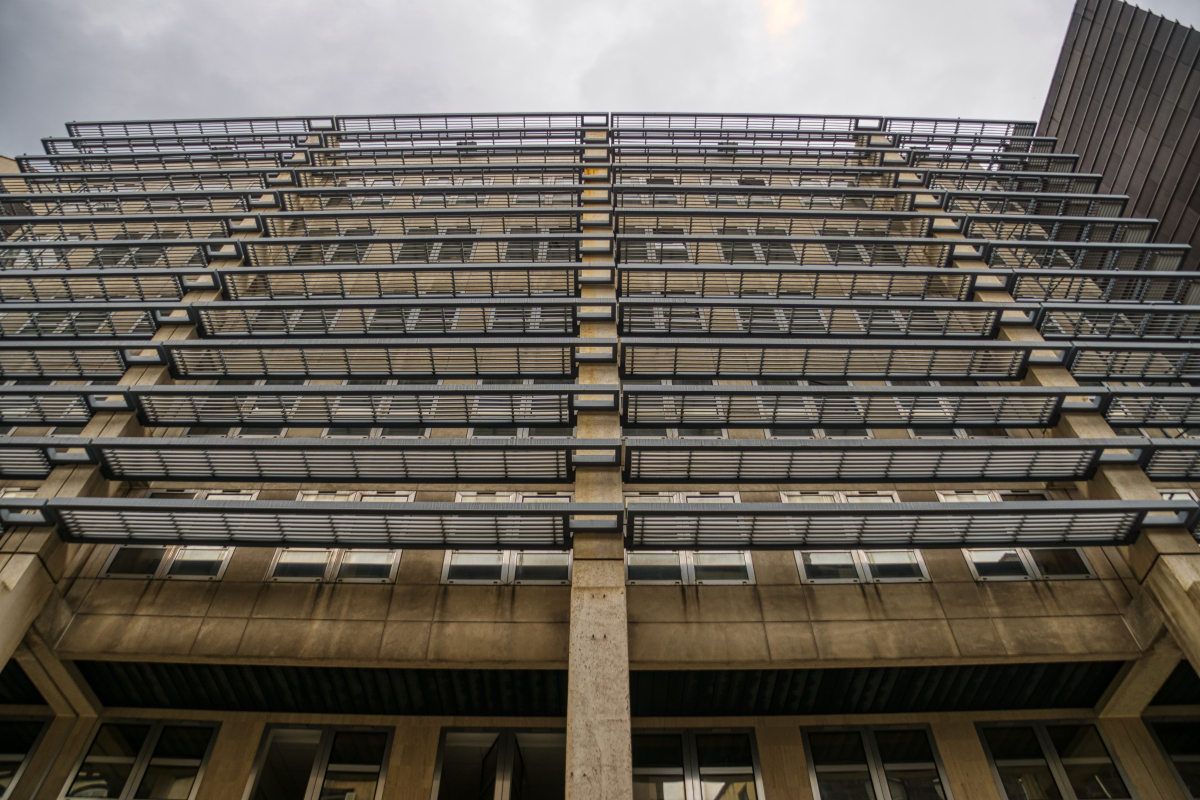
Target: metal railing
(489, 526)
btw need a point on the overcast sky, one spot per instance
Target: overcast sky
(64, 60)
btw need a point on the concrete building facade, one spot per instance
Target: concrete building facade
(592, 455)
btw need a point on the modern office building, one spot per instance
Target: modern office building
(676, 457)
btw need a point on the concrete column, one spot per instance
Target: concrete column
(599, 765)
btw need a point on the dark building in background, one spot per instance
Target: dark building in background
(1126, 99)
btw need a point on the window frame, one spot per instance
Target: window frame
(1150, 723)
(333, 565)
(504, 764)
(875, 763)
(692, 774)
(1032, 571)
(687, 569)
(162, 572)
(142, 760)
(862, 567)
(1053, 762)
(321, 761)
(37, 742)
(508, 569)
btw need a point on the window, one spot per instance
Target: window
(982, 496)
(688, 568)
(882, 763)
(346, 496)
(1067, 760)
(388, 432)
(520, 431)
(1024, 563)
(1177, 494)
(334, 566)
(19, 737)
(1180, 742)
(845, 432)
(840, 497)
(507, 567)
(12, 492)
(497, 764)
(152, 760)
(237, 431)
(861, 566)
(167, 563)
(682, 497)
(695, 765)
(512, 497)
(199, 494)
(310, 763)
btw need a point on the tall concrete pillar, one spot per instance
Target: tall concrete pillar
(599, 765)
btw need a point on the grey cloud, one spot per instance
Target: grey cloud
(134, 59)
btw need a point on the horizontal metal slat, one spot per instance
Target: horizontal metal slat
(697, 526)
(489, 526)
(815, 406)
(887, 460)
(532, 460)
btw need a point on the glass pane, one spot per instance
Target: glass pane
(301, 564)
(348, 785)
(366, 565)
(657, 787)
(1021, 764)
(1088, 766)
(908, 765)
(998, 563)
(724, 750)
(354, 762)
(136, 561)
(840, 761)
(109, 761)
(655, 567)
(728, 787)
(16, 740)
(892, 564)
(904, 747)
(198, 561)
(475, 567)
(720, 567)
(832, 565)
(658, 751)
(838, 748)
(358, 748)
(543, 566)
(288, 765)
(1059, 562)
(174, 763)
(541, 766)
(469, 766)
(1181, 740)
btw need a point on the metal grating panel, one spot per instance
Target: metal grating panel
(863, 359)
(550, 357)
(400, 281)
(814, 406)
(879, 460)
(444, 405)
(690, 317)
(700, 526)
(316, 524)
(333, 460)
